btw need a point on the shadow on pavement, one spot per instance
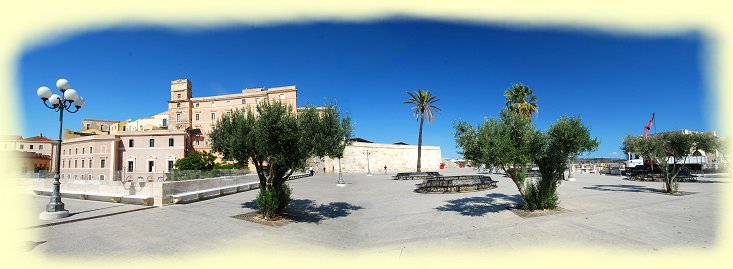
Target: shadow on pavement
(85, 211)
(306, 210)
(479, 206)
(625, 188)
(30, 245)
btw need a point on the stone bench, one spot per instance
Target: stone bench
(200, 194)
(452, 184)
(114, 197)
(416, 176)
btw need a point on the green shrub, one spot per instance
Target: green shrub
(540, 196)
(273, 201)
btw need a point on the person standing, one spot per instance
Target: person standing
(385, 169)
(310, 170)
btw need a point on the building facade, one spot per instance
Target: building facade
(202, 113)
(38, 152)
(141, 156)
(397, 158)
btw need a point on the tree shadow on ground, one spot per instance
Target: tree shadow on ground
(624, 188)
(306, 210)
(479, 206)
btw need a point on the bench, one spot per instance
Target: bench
(200, 194)
(416, 176)
(456, 184)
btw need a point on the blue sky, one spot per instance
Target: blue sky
(614, 81)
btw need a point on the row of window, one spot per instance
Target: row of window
(67, 163)
(67, 176)
(151, 142)
(22, 146)
(243, 101)
(151, 166)
(76, 151)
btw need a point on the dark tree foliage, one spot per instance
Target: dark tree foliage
(196, 160)
(279, 142)
(511, 143)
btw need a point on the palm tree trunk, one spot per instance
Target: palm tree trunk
(419, 143)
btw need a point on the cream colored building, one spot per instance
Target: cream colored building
(201, 113)
(41, 145)
(148, 155)
(156, 122)
(141, 156)
(397, 158)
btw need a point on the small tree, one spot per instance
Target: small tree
(670, 150)
(278, 143)
(196, 160)
(512, 143)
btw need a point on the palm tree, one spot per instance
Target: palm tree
(424, 103)
(519, 98)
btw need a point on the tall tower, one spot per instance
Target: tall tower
(180, 105)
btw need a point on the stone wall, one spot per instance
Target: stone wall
(397, 158)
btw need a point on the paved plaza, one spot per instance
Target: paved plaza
(378, 215)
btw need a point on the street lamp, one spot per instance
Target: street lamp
(369, 171)
(68, 98)
(341, 182)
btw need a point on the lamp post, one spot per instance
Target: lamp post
(68, 98)
(341, 182)
(369, 171)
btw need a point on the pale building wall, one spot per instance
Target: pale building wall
(89, 157)
(155, 122)
(185, 111)
(134, 161)
(17, 143)
(397, 158)
(102, 125)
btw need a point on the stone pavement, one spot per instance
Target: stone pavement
(377, 215)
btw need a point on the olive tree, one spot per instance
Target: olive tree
(278, 142)
(511, 143)
(670, 151)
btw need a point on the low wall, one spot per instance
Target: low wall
(397, 158)
(160, 192)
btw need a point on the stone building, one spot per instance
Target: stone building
(102, 125)
(201, 113)
(397, 157)
(41, 151)
(144, 156)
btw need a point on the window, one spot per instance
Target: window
(131, 143)
(170, 166)
(89, 125)
(63, 164)
(165, 122)
(244, 101)
(75, 163)
(151, 165)
(40, 146)
(101, 127)
(101, 177)
(124, 128)
(170, 142)
(82, 163)
(282, 96)
(228, 102)
(76, 151)
(152, 142)
(130, 166)
(196, 105)
(82, 150)
(101, 163)
(178, 105)
(178, 116)
(197, 116)
(229, 113)
(90, 150)
(31, 146)
(213, 115)
(178, 96)
(21, 146)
